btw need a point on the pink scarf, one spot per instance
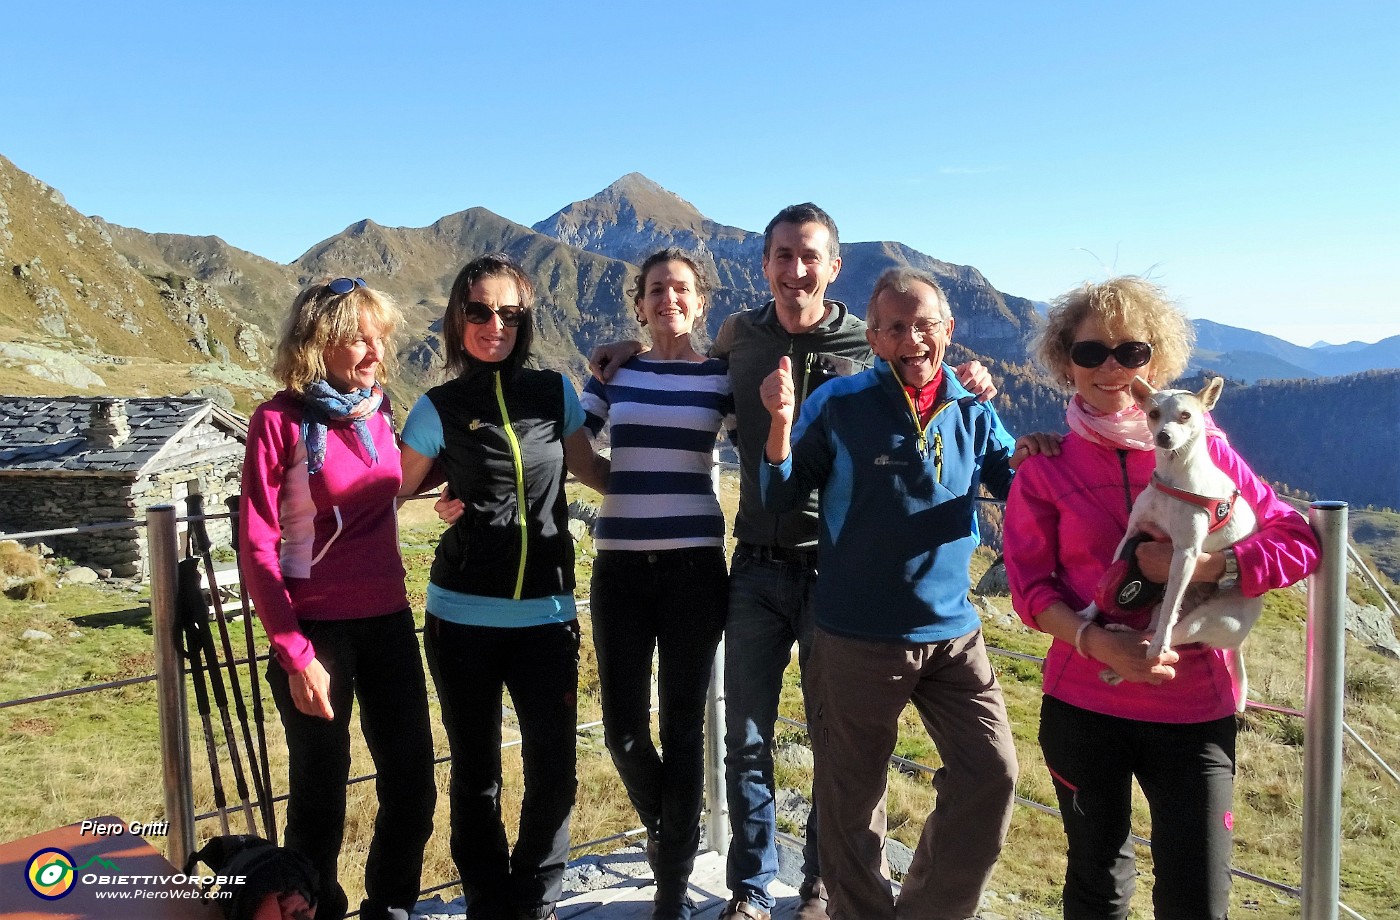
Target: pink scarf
(1126, 429)
(1123, 430)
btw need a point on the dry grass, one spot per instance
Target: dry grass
(18, 562)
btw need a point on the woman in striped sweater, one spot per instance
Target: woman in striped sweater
(659, 582)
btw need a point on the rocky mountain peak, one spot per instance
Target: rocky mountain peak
(632, 203)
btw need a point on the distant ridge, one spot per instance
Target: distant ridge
(168, 313)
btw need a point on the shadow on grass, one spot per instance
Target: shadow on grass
(138, 617)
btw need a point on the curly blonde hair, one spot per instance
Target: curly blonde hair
(1134, 307)
(321, 318)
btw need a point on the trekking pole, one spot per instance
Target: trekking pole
(199, 542)
(259, 717)
(189, 598)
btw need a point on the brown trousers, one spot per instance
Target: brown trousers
(860, 688)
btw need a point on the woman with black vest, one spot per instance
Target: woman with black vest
(500, 605)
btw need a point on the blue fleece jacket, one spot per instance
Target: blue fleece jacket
(897, 505)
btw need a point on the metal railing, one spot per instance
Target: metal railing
(1323, 724)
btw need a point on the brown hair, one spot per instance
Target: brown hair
(454, 321)
(671, 254)
(805, 213)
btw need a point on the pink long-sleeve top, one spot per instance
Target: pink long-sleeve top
(323, 546)
(1064, 519)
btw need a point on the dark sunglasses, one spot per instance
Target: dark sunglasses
(479, 314)
(1127, 354)
(345, 285)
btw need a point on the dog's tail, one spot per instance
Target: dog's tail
(1239, 680)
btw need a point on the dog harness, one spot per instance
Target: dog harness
(1219, 509)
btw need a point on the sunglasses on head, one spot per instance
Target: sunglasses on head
(478, 314)
(1127, 354)
(345, 285)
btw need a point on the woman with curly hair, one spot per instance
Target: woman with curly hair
(1170, 724)
(320, 555)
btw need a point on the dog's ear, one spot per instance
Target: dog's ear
(1142, 390)
(1210, 393)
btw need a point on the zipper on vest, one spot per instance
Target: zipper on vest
(519, 463)
(806, 378)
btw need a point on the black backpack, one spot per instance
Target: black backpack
(268, 870)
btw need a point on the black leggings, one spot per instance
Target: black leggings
(673, 603)
(472, 666)
(1186, 772)
(374, 661)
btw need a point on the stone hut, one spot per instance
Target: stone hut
(71, 460)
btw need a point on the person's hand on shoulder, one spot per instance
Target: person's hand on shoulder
(977, 380)
(1035, 444)
(604, 360)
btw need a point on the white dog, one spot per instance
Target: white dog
(1200, 509)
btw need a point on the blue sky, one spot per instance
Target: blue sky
(1246, 154)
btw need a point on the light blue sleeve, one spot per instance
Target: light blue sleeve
(423, 430)
(573, 411)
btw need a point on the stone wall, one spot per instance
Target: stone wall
(33, 501)
(207, 460)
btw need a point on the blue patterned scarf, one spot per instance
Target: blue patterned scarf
(323, 404)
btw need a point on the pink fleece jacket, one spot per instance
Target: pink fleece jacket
(1064, 519)
(322, 547)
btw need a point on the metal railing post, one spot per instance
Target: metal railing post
(716, 793)
(164, 554)
(1322, 725)
(716, 796)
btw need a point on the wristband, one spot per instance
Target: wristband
(1079, 637)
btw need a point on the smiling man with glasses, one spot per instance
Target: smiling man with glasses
(898, 454)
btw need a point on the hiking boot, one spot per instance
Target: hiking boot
(739, 909)
(811, 900)
(668, 907)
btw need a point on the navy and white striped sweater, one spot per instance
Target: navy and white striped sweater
(664, 416)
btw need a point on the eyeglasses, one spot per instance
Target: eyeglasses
(479, 314)
(923, 328)
(345, 285)
(1127, 354)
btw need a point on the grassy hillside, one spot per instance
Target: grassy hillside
(64, 284)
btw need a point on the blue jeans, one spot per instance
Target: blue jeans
(769, 609)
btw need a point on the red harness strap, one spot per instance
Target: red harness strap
(1219, 509)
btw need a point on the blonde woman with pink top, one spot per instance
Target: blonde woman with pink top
(1171, 723)
(320, 552)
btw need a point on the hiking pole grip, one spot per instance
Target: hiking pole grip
(199, 534)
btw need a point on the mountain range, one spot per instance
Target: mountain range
(90, 305)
